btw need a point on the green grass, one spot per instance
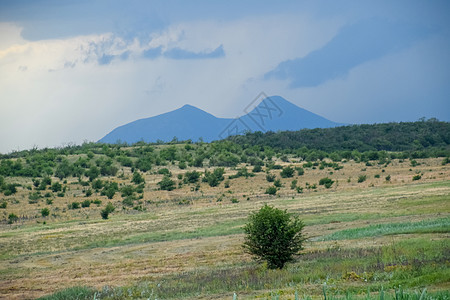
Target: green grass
(426, 226)
(348, 273)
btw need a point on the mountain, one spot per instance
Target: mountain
(188, 122)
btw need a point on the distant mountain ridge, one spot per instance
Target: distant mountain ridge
(188, 122)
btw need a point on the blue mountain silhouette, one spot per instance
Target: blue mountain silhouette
(188, 122)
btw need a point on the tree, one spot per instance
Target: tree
(137, 178)
(166, 184)
(273, 235)
(287, 172)
(107, 210)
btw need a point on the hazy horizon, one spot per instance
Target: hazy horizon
(75, 70)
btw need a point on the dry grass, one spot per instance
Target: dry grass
(76, 247)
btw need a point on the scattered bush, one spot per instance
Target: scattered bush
(327, 182)
(274, 236)
(12, 218)
(166, 184)
(74, 205)
(277, 183)
(45, 212)
(287, 172)
(417, 177)
(271, 190)
(4, 204)
(191, 177)
(137, 178)
(86, 203)
(107, 210)
(362, 178)
(270, 177)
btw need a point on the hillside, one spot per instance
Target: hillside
(405, 136)
(119, 221)
(190, 123)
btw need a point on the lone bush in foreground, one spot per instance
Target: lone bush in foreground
(273, 235)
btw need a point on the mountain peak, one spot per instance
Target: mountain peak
(190, 122)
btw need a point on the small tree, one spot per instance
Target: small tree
(287, 172)
(45, 212)
(273, 235)
(107, 210)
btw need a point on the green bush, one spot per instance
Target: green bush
(107, 210)
(287, 172)
(277, 183)
(274, 236)
(191, 177)
(166, 184)
(165, 171)
(362, 178)
(12, 218)
(270, 177)
(137, 178)
(4, 204)
(45, 212)
(417, 177)
(271, 190)
(86, 203)
(74, 205)
(56, 187)
(327, 182)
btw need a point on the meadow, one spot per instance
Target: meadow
(377, 231)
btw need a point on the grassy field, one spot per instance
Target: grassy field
(376, 235)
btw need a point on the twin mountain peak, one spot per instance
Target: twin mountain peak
(273, 113)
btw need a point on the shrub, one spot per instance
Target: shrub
(107, 210)
(86, 203)
(56, 187)
(417, 177)
(74, 205)
(137, 178)
(277, 183)
(45, 212)
(191, 177)
(182, 165)
(215, 177)
(234, 200)
(362, 178)
(127, 190)
(271, 190)
(270, 177)
(300, 171)
(287, 172)
(9, 189)
(128, 201)
(97, 202)
(299, 190)
(97, 184)
(274, 236)
(293, 184)
(166, 184)
(165, 171)
(257, 168)
(4, 204)
(388, 178)
(12, 218)
(327, 182)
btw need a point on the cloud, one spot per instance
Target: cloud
(178, 53)
(354, 45)
(152, 53)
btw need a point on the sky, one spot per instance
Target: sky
(72, 71)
